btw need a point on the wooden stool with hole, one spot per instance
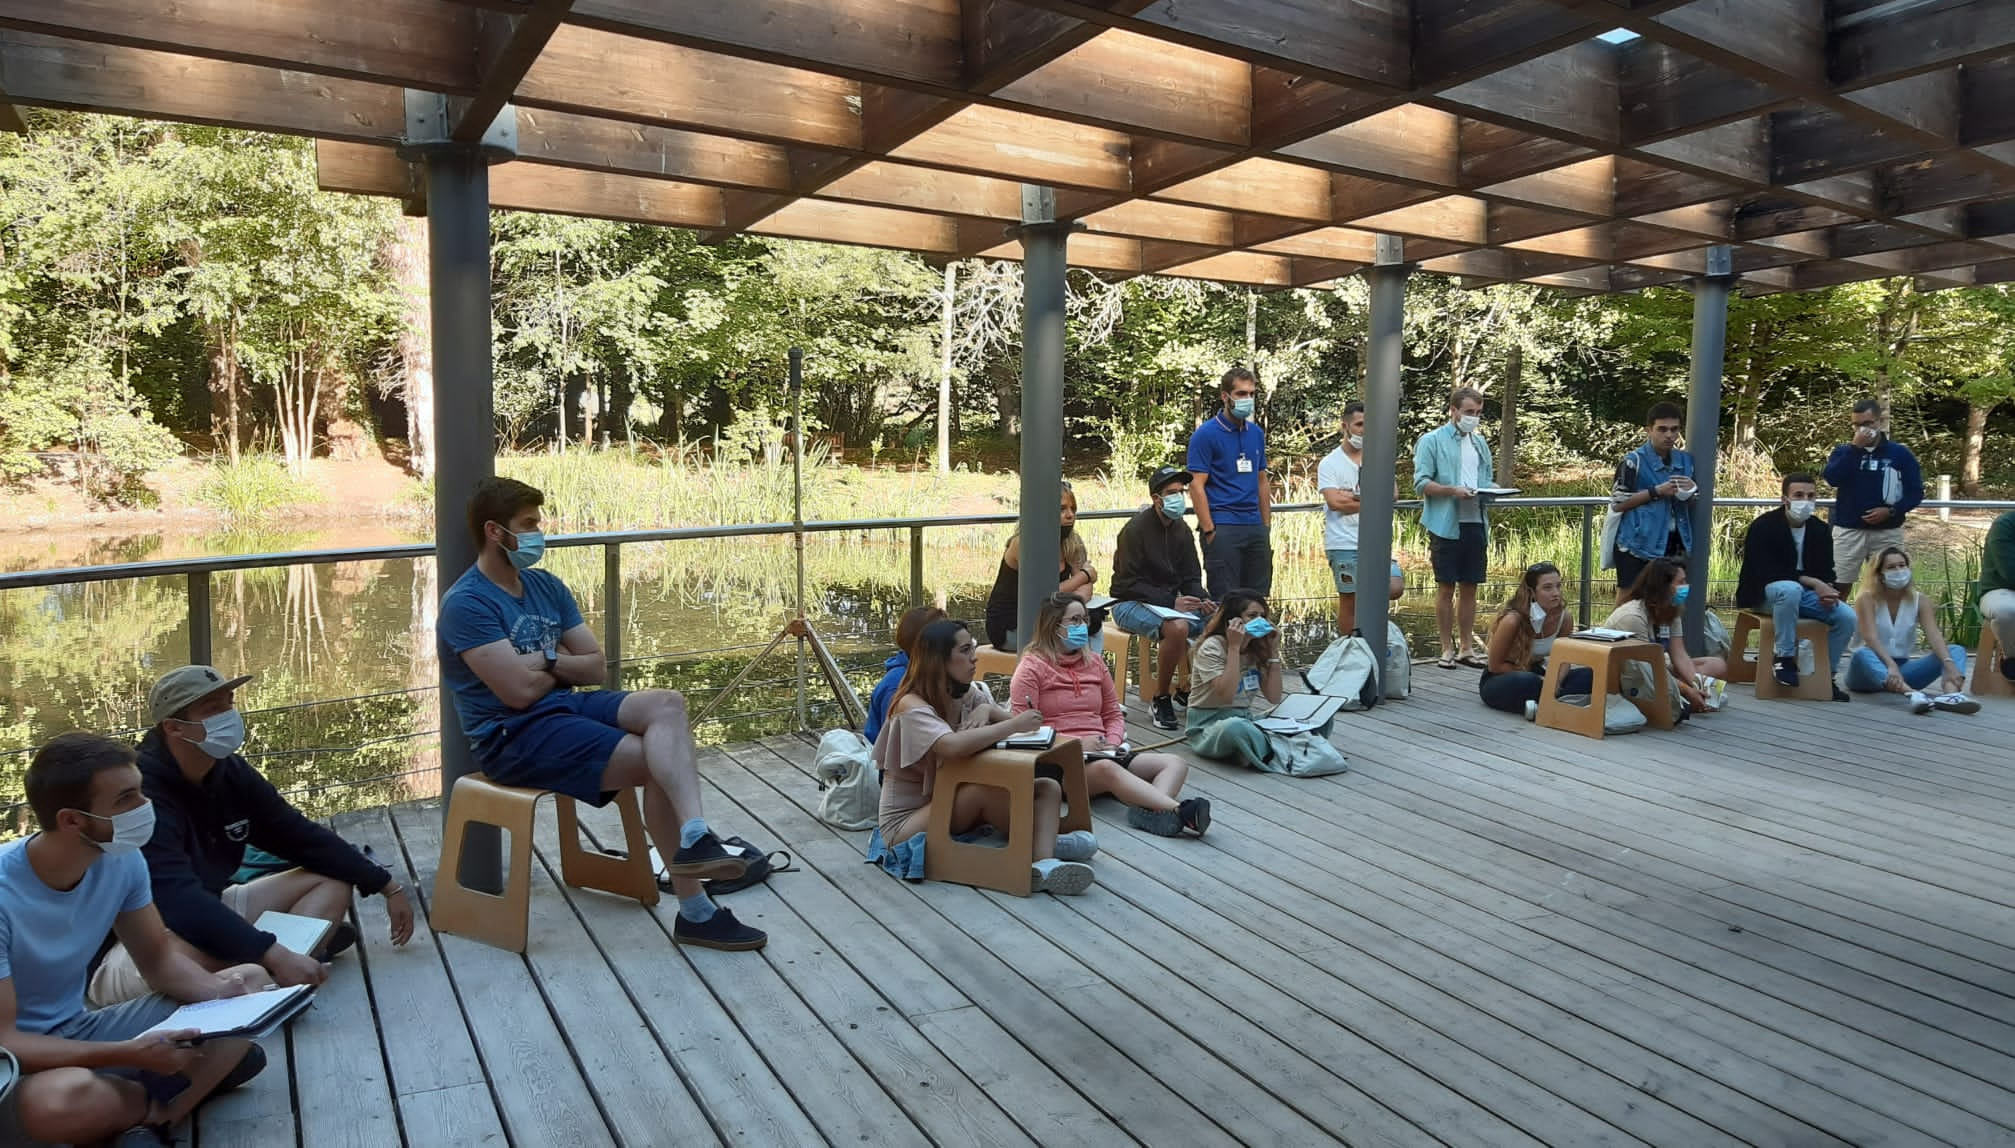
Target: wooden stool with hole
(1987, 679)
(500, 919)
(1123, 653)
(1812, 687)
(1014, 770)
(1606, 661)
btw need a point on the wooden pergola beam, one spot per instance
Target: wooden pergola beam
(507, 45)
(919, 42)
(1876, 40)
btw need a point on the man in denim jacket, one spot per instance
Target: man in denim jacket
(1654, 483)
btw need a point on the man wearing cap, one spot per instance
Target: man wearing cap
(1155, 564)
(209, 804)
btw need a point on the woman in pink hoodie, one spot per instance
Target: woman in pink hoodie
(1075, 696)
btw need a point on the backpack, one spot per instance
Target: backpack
(761, 866)
(850, 792)
(1398, 664)
(1348, 669)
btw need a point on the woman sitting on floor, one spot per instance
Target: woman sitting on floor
(1520, 640)
(1075, 695)
(1236, 659)
(1891, 611)
(1651, 611)
(908, 627)
(939, 715)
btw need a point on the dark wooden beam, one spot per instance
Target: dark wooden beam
(1133, 82)
(1665, 92)
(1872, 42)
(506, 46)
(918, 42)
(1411, 143)
(865, 226)
(1364, 43)
(567, 139)
(1569, 94)
(1018, 145)
(1459, 40)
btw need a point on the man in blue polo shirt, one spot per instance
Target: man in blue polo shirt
(1229, 488)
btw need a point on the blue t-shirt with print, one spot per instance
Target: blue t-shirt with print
(48, 936)
(1229, 454)
(477, 612)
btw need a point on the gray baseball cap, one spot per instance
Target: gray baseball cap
(177, 690)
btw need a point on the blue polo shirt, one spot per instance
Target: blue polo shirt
(1215, 451)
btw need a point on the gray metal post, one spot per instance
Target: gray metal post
(1375, 527)
(795, 381)
(1043, 237)
(458, 268)
(199, 619)
(1703, 426)
(1587, 563)
(612, 614)
(916, 567)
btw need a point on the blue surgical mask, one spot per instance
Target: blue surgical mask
(1242, 408)
(1680, 595)
(1173, 504)
(1258, 628)
(531, 547)
(1076, 636)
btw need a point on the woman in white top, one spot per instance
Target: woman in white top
(1522, 638)
(1891, 611)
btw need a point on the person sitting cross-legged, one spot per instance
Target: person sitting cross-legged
(209, 805)
(1520, 641)
(940, 714)
(1068, 685)
(908, 629)
(513, 648)
(1652, 610)
(1155, 565)
(1787, 569)
(1890, 612)
(90, 1075)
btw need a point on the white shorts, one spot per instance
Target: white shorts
(1853, 548)
(118, 979)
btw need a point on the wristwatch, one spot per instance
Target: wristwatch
(552, 661)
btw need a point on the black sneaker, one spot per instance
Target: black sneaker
(1840, 695)
(2008, 668)
(1181, 698)
(1160, 822)
(707, 859)
(342, 937)
(250, 1065)
(1786, 672)
(1195, 813)
(720, 931)
(1164, 712)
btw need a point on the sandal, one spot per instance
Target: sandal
(1447, 662)
(1472, 661)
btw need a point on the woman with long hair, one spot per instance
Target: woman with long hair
(941, 714)
(1891, 611)
(1074, 576)
(1652, 610)
(1236, 660)
(1070, 687)
(1520, 640)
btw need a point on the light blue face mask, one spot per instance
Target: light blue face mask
(1076, 636)
(1258, 628)
(1173, 504)
(1242, 407)
(531, 548)
(1681, 594)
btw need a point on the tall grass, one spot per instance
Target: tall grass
(255, 489)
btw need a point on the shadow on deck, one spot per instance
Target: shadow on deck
(1789, 924)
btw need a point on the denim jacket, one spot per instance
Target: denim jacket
(1643, 531)
(1436, 459)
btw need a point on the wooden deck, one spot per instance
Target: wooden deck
(1789, 924)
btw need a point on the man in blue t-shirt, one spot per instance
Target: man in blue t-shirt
(1229, 488)
(513, 647)
(91, 1074)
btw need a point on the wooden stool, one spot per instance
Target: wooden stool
(1606, 660)
(1014, 770)
(1987, 680)
(1124, 653)
(500, 919)
(994, 661)
(1740, 668)
(1816, 686)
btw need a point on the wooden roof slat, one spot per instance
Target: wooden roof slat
(917, 41)
(1127, 81)
(507, 45)
(567, 139)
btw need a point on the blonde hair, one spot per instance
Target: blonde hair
(1043, 641)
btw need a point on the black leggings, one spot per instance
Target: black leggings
(1510, 691)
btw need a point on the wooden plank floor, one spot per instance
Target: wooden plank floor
(1792, 923)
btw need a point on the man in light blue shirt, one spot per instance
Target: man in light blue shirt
(1451, 463)
(91, 1075)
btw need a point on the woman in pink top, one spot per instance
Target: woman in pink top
(1057, 678)
(940, 714)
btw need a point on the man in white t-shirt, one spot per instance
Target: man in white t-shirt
(1337, 477)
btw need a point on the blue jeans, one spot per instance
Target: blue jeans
(1866, 675)
(1135, 618)
(1790, 601)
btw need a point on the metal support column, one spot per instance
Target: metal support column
(458, 268)
(1043, 237)
(1375, 527)
(1703, 426)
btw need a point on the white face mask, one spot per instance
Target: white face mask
(130, 830)
(1801, 510)
(1357, 442)
(222, 734)
(1898, 578)
(1538, 615)
(1467, 424)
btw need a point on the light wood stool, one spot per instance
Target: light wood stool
(1813, 687)
(1123, 653)
(1014, 770)
(1606, 660)
(500, 919)
(994, 661)
(1740, 668)
(1987, 680)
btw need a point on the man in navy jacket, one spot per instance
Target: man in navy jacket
(1877, 481)
(209, 805)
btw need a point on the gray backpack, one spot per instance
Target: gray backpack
(850, 793)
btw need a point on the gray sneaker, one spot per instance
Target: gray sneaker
(1955, 704)
(1063, 878)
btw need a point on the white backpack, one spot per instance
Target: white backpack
(1398, 664)
(1347, 669)
(850, 794)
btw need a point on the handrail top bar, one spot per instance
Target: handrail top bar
(170, 567)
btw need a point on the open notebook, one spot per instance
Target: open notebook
(301, 934)
(1300, 713)
(1037, 739)
(250, 1016)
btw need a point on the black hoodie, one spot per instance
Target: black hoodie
(200, 835)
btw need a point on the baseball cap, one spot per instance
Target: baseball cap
(1166, 475)
(179, 689)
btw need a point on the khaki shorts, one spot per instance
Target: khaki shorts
(1853, 548)
(118, 979)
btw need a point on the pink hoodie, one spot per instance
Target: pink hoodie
(1076, 698)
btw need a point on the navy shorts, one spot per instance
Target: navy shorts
(563, 743)
(1460, 560)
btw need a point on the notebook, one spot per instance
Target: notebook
(301, 934)
(1300, 713)
(1038, 739)
(1099, 602)
(250, 1016)
(1164, 613)
(1499, 491)
(1601, 634)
